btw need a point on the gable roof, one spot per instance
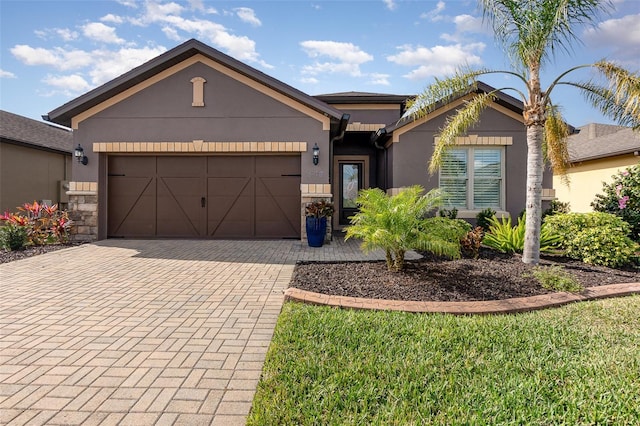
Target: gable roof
(25, 131)
(362, 98)
(503, 99)
(595, 141)
(63, 114)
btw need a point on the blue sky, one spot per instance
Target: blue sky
(54, 51)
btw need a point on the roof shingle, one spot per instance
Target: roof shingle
(596, 140)
(23, 130)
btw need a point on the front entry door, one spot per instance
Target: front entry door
(350, 175)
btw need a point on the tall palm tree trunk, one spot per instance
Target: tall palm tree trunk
(535, 169)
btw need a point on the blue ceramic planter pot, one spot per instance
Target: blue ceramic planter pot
(316, 229)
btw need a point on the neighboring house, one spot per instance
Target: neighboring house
(197, 144)
(596, 153)
(35, 161)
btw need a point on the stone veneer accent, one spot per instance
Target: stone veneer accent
(83, 210)
(315, 192)
(481, 140)
(200, 146)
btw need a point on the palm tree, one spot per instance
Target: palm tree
(532, 31)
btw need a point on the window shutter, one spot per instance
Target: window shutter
(487, 171)
(453, 177)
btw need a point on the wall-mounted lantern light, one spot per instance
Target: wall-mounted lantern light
(316, 154)
(79, 154)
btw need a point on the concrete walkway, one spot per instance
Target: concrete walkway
(130, 332)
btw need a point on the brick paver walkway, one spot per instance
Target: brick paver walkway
(133, 332)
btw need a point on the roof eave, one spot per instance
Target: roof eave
(63, 114)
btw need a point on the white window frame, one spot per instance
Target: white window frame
(468, 211)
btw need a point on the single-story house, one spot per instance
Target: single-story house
(195, 144)
(35, 161)
(596, 153)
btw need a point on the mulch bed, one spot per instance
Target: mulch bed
(493, 276)
(9, 256)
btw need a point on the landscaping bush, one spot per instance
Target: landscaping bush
(555, 207)
(43, 224)
(556, 278)
(13, 237)
(597, 238)
(622, 198)
(471, 242)
(482, 218)
(451, 214)
(397, 224)
(507, 239)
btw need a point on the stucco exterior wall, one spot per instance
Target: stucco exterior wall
(233, 112)
(412, 153)
(28, 174)
(586, 180)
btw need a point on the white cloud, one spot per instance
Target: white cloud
(248, 15)
(6, 74)
(379, 79)
(108, 64)
(59, 58)
(390, 4)
(64, 33)
(437, 60)
(68, 84)
(345, 58)
(168, 15)
(466, 24)
(129, 3)
(434, 15)
(114, 19)
(622, 34)
(309, 80)
(101, 32)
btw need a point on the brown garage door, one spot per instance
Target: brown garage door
(204, 197)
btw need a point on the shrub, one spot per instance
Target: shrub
(451, 214)
(556, 278)
(507, 239)
(13, 237)
(471, 242)
(43, 224)
(597, 238)
(555, 207)
(483, 218)
(397, 224)
(621, 197)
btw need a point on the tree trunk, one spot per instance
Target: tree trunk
(535, 169)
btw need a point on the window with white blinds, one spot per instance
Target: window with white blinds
(472, 178)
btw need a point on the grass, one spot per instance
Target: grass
(579, 364)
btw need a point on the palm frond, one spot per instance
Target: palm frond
(555, 148)
(624, 86)
(441, 91)
(457, 125)
(533, 30)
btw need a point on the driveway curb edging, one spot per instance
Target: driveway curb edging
(505, 306)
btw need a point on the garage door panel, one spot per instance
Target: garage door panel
(230, 208)
(132, 206)
(180, 210)
(199, 197)
(132, 166)
(278, 211)
(230, 166)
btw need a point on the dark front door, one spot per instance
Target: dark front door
(351, 181)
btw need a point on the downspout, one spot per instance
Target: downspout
(342, 128)
(378, 135)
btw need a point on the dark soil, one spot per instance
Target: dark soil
(493, 276)
(10, 256)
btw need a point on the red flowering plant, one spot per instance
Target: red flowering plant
(42, 224)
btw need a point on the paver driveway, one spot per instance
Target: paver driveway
(143, 332)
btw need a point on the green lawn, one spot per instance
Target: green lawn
(579, 364)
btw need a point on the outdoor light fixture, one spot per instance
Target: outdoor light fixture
(316, 154)
(79, 154)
